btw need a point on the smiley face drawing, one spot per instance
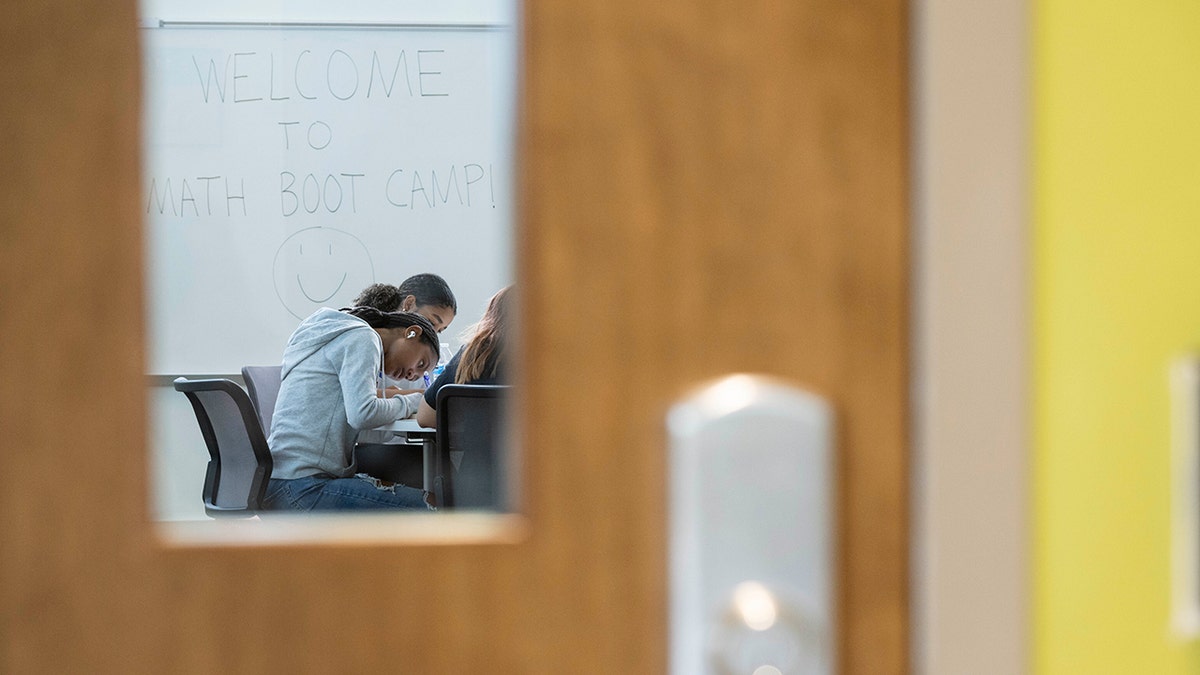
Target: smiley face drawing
(321, 267)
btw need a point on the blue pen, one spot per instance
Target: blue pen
(426, 380)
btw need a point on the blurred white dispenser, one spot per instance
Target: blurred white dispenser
(751, 479)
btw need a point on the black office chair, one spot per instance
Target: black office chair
(239, 464)
(262, 382)
(469, 471)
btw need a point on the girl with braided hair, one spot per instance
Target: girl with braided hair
(332, 368)
(426, 294)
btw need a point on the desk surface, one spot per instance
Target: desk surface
(410, 428)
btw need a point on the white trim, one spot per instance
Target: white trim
(1185, 497)
(971, 336)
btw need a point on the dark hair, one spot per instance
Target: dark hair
(428, 289)
(383, 297)
(378, 319)
(484, 352)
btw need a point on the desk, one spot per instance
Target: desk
(413, 432)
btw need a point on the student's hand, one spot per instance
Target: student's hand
(396, 391)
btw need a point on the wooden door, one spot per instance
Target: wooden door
(707, 188)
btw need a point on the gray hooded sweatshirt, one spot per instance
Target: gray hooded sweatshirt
(331, 368)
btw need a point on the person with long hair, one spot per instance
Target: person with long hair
(482, 360)
(331, 375)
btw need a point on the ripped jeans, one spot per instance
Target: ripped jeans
(323, 493)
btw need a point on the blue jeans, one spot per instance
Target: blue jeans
(322, 493)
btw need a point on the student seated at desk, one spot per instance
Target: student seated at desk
(426, 294)
(330, 377)
(482, 360)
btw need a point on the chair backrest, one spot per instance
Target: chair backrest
(263, 384)
(471, 420)
(239, 464)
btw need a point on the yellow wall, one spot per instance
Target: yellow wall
(1117, 282)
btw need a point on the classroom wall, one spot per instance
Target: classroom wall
(1117, 297)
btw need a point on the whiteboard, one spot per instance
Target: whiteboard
(288, 167)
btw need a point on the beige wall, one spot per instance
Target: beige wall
(971, 535)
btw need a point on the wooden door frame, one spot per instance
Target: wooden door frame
(778, 132)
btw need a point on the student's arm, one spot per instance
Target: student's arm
(426, 415)
(356, 357)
